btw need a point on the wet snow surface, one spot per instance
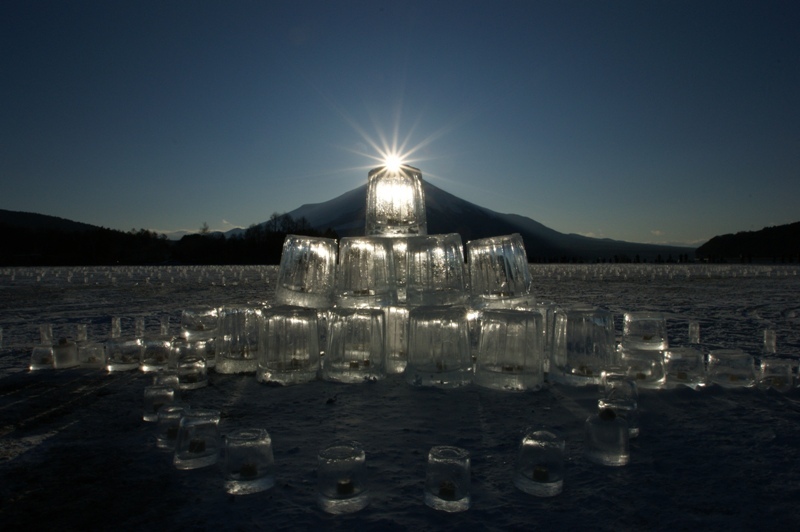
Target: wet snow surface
(75, 454)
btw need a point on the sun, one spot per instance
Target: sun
(387, 147)
(392, 162)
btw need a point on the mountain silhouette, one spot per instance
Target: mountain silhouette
(447, 213)
(777, 243)
(30, 220)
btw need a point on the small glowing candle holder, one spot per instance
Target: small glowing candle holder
(169, 419)
(540, 463)
(156, 397)
(90, 354)
(65, 354)
(249, 466)
(156, 349)
(645, 331)
(42, 354)
(776, 373)
(198, 442)
(607, 439)
(731, 368)
(447, 479)
(644, 366)
(685, 366)
(342, 478)
(122, 354)
(199, 326)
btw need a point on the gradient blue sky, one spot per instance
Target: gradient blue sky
(668, 121)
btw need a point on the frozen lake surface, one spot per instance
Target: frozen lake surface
(75, 454)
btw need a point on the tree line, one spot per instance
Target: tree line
(258, 244)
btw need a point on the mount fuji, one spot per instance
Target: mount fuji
(447, 213)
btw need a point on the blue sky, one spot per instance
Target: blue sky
(669, 121)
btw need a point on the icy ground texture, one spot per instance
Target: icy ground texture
(75, 454)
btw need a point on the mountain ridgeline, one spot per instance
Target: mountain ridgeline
(446, 213)
(779, 243)
(29, 239)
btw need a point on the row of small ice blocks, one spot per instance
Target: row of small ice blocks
(379, 271)
(429, 345)
(438, 346)
(689, 366)
(148, 353)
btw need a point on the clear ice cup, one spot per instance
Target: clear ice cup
(307, 272)
(438, 347)
(342, 478)
(42, 353)
(499, 274)
(395, 202)
(644, 366)
(90, 354)
(607, 439)
(156, 397)
(248, 466)
(731, 368)
(169, 419)
(644, 330)
(192, 373)
(289, 351)
(199, 322)
(199, 326)
(615, 382)
(583, 345)
(122, 354)
(236, 345)
(539, 469)
(625, 408)
(435, 270)
(510, 351)
(355, 350)
(776, 373)
(155, 353)
(447, 479)
(198, 441)
(65, 354)
(365, 275)
(685, 366)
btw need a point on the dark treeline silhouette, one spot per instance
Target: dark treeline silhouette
(38, 246)
(772, 244)
(23, 246)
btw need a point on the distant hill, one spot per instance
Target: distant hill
(29, 220)
(777, 243)
(447, 213)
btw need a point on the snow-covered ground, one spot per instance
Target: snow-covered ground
(74, 453)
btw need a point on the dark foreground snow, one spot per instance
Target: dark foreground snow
(75, 454)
